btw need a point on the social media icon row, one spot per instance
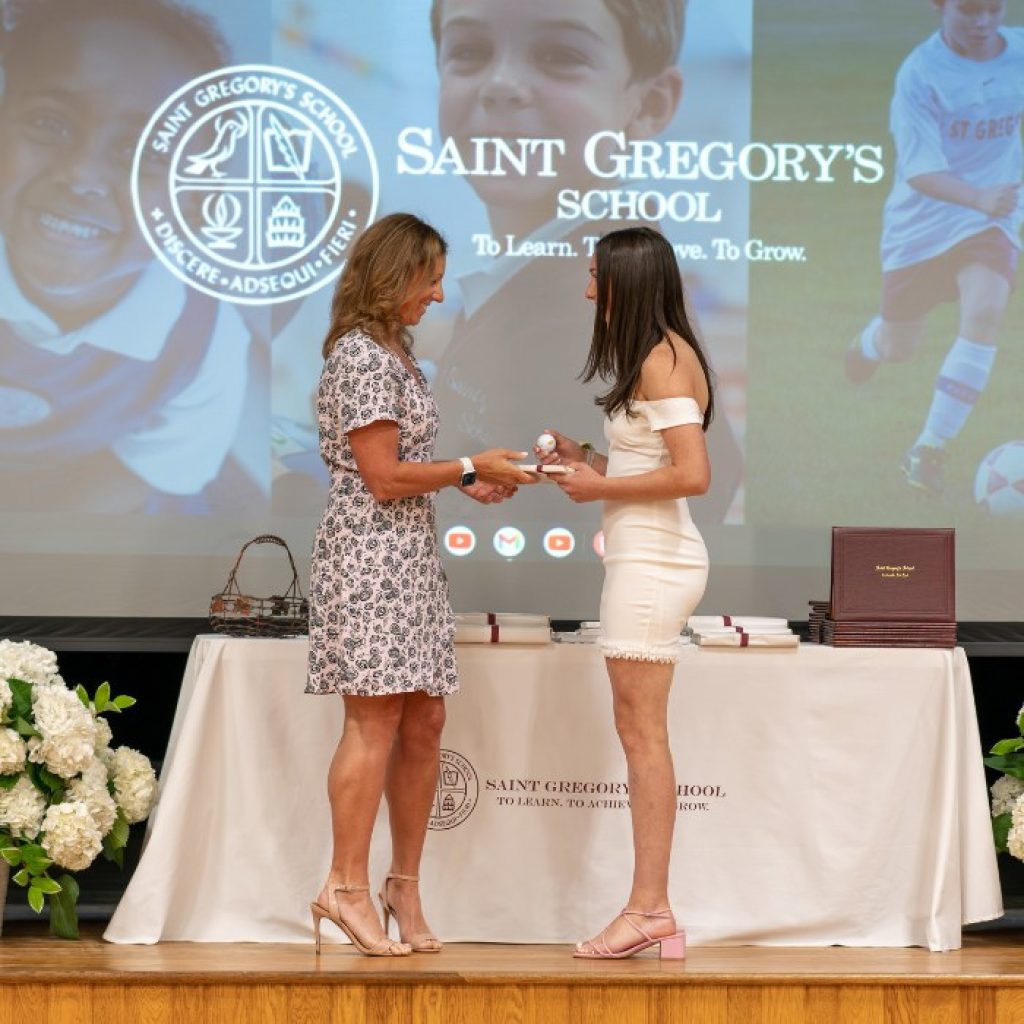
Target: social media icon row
(509, 541)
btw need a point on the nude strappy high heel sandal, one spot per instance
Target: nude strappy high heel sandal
(381, 947)
(423, 942)
(672, 947)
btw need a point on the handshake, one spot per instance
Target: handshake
(558, 458)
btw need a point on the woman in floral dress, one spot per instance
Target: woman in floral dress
(381, 627)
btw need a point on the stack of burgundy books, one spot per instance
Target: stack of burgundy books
(816, 619)
(891, 587)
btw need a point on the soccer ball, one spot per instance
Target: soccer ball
(999, 484)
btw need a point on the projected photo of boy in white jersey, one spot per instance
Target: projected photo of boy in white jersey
(121, 389)
(951, 225)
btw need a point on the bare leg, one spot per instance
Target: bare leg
(410, 786)
(640, 691)
(984, 296)
(355, 783)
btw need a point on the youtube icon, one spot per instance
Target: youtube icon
(459, 541)
(559, 542)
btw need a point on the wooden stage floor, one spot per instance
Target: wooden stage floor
(44, 979)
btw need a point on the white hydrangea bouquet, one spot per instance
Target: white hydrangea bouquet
(65, 794)
(1007, 756)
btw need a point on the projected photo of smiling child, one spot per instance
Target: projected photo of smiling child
(121, 389)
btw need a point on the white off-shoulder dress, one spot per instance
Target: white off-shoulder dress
(655, 562)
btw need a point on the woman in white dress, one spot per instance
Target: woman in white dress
(657, 409)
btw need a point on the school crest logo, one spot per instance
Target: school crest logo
(457, 792)
(251, 182)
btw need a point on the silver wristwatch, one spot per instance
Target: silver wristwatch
(468, 471)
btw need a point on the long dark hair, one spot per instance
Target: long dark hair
(386, 259)
(639, 301)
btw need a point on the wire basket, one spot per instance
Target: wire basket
(238, 614)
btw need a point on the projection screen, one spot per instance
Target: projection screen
(180, 184)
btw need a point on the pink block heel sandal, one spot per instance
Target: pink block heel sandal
(671, 947)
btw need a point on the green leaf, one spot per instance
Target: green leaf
(9, 781)
(21, 878)
(35, 899)
(114, 856)
(12, 855)
(1007, 746)
(1001, 829)
(1008, 764)
(32, 771)
(124, 701)
(83, 695)
(102, 698)
(21, 692)
(34, 858)
(117, 837)
(46, 782)
(63, 909)
(24, 728)
(54, 783)
(46, 885)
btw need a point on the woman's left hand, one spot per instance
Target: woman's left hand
(488, 494)
(583, 484)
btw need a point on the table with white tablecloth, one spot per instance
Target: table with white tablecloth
(826, 796)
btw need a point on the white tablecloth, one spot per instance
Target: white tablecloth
(827, 796)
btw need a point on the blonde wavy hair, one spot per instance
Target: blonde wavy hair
(387, 259)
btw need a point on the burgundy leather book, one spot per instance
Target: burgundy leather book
(816, 616)
(849, 628)
(887, 642)
(888, 634)
(892, 574)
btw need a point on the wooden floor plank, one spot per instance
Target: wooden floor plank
(940, 1006)
(862, 1004)
(544, 1003)
(822, 1004)
(93, 982)
(188, 1003)
(28, 954)
(1007, 1005)
(708, 1004)
(308, 1004)
(69, 1004)
(782, 1005)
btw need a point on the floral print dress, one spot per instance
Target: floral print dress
(380, 621)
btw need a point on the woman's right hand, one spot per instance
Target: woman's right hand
(566, 450)
(494, 467)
